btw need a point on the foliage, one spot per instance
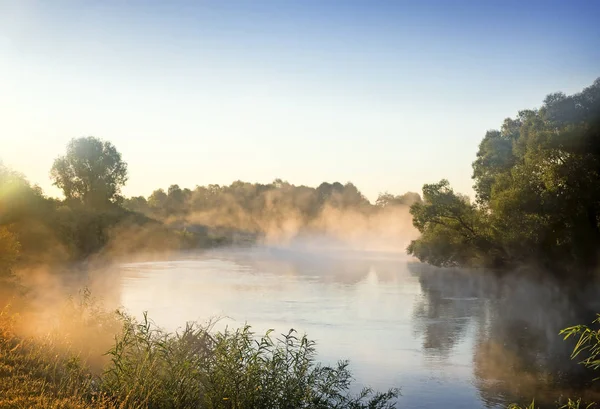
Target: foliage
(258, 209)
(537, 184)
(47, 231)
(92, 171)
(588, 343)
(9, 250)
(230, 369)
(387, 199)
(454, 231)
(94, 219)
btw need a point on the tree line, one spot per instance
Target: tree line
(537, 185)
(259, 208)
(94, 217)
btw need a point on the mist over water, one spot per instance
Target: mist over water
(448, 338)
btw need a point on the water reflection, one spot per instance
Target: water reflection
(517, 353)
(445, 311)
(329, 267)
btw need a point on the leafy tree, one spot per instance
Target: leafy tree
(352, 197)
(92, 171)
(453, 230)
(176, 199)
(549, 202)
(326, 190)
(537, 182)
(158, 199)
(494, 158)
(30, 217)
(387, 199)
(136, 204)
(9, 250)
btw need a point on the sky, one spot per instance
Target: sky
(386, 94)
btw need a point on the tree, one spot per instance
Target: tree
(17, 197)
(9, 250)
(176, 199)
(538, 193)
(494, 157)
(387, 199)
(453, 231)
(136, 204)
(157, 203)
(92, 171)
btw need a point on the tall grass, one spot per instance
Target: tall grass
(146, 367)
(41, 372)
(571, 404)
(232, 369)
(587, 344)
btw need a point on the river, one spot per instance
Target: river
(447, 338)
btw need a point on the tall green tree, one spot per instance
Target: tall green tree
(537, 182)
(92, 171)
(550, 200)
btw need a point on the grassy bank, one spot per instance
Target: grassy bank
(94, 359)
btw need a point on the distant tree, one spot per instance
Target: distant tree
(9, 250)
(410, 198)
(384, 199)
(278, 183)
(387, 199)
(136, 204)
(351, 197)
(158, 200)
(17, 197)
(273, 208)
(175, 193)
(330, 193)
(177, 199)
(92, 171)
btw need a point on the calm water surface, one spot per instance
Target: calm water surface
(447, 339)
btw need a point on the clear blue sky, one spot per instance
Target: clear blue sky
(388, 95)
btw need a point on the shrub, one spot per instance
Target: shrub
(196, 368)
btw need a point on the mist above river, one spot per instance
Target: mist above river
(446, 337)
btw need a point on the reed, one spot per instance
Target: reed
(231, 369)
(147, 367)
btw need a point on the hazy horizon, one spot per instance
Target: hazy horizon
(388, 96)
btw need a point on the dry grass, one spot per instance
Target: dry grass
(39, 373)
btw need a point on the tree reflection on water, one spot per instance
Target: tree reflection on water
(517, 354)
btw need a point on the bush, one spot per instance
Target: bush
(195, 368)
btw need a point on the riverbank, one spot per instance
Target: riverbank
(76, 364)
